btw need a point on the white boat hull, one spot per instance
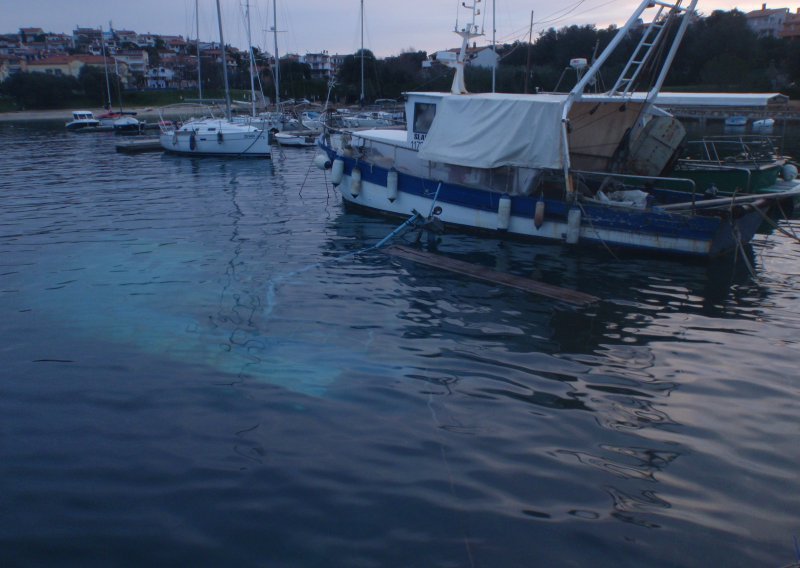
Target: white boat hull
(254, 143)
(295, 139)
(599, 224)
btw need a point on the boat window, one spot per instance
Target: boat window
(211, 129)
(423, 117)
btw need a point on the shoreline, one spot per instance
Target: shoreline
(66, 114)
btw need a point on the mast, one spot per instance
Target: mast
(199, 76)
(277, 70)
(468, 32)
(361, 100)
(119, 83)
(105, 67)
(528, 63)
(224, 65)
(252, 61)
(494, 47)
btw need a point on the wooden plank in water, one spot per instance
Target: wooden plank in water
(488, 275)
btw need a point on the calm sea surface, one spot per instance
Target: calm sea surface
(185, 381)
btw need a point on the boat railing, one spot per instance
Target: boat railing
(180, 113)
(644, 182)
(752, 148)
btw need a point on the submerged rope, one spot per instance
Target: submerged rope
(273, 282)
(404, 226)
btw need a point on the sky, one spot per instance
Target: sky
(310, 26)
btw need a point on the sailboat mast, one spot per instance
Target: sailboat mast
(224, 65)
(199, 76)
(105, 68)
(528, 62)
(119, 83)
(252, 61)
(494, 48)
(362, 53)
(277, 71)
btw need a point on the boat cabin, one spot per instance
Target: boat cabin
(82, 115)
(493, 130)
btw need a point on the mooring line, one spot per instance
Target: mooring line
(272, 284)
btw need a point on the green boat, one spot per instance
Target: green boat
(728, 165)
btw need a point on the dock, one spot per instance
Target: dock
(488, 275)
(139, 145)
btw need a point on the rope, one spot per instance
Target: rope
(775, 225)
(740, 248)
(596, 232)
(273, 282)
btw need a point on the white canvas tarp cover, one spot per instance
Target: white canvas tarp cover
(493, 130)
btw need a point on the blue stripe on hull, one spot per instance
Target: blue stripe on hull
(714, 232)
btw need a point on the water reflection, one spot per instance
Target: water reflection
(214, 305)
(622, 362)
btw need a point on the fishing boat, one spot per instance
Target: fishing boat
(724, 165)
(213, 136)
(576, 168)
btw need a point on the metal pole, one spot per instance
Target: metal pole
(199, 76)
(528, 65)
(494, 47)
(252, 61)
(224, 64)
(277, 70)
(105, 67)
(362, 53)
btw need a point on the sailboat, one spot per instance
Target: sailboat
(118, 121)
(577, 168)
(213, 136)
(369, 118)
(278, 120)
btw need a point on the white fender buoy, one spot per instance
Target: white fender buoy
(391, 185)
(322, 161)
(573, 225)
(355, 182)
(337, 171)
(503, 213)
(789, 172)
(538, 215)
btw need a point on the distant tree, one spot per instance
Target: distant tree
(703, 62)
(93, 84)
(394, 75)
(153, 56)
(41, 90)
(349, 76)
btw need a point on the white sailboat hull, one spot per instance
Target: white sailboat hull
(216, 138)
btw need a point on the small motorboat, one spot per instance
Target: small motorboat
(736, 120)
(82, 119)
(764, 123)
(296, 138)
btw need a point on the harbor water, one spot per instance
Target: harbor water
(197, 369)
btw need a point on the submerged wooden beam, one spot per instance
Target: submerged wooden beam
(488, 275)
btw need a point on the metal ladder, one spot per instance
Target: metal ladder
(651, 38)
